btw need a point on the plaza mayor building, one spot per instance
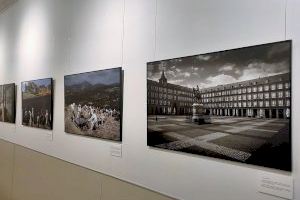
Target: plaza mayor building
(167, 98)
(267, 97)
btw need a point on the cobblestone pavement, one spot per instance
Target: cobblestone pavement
(226, 137)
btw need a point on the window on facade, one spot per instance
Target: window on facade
(244, 90)
(261, 104)
(267, 103)
(273, 95)
(240, 104)
(287, 85)
(280, 94)
(266, 87)
(249, 96)
(254, 96)
(280, 86)
(240, 91)
(244, 104)
(249, 103)
(254, 103)
(260, 95)
(254, 89)
(260, 88)
(287, 94)
(288, 102)
(240, 97)
(249, 89)
(280, 102)
(273, 87)
(273, 102)
(244, 97)
(267, 95)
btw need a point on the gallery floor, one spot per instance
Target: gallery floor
(29, 175)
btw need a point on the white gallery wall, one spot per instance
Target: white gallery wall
(53, 38)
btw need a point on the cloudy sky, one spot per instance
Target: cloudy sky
(41, 82)
(106, 77)
(224, 67)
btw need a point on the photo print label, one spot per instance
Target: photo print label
(276, 185)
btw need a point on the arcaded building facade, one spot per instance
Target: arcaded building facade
(268, 97)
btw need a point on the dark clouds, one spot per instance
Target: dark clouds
(226, 66)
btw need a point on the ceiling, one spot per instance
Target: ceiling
(5, 3)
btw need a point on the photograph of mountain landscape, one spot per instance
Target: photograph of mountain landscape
(7, 103)
(37, 103)
(93, 104)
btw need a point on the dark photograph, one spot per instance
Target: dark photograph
(233, 105)
(7, 103)
(93, 104)
(37, 103)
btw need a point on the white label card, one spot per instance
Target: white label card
(49, 136)
(116, 150)
(276, 185)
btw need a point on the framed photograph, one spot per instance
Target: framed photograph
(233, 105)
(8, 103)
(37, 103)
(93, 104)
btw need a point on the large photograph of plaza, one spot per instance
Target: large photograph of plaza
(233, 105)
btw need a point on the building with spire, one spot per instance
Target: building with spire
(168, 99)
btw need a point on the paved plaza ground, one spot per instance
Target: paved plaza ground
(264, 142)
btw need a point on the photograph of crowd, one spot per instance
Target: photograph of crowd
(7, 103)
(93, 104)
(37, 103)
(233, 104)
